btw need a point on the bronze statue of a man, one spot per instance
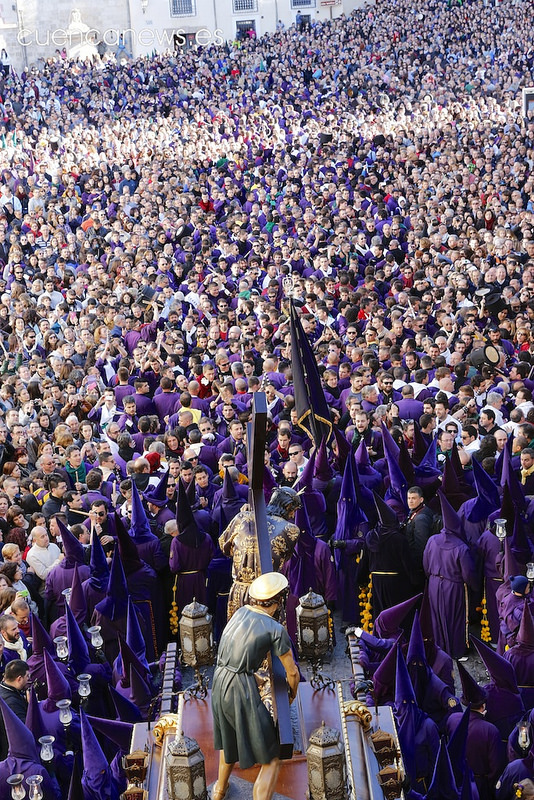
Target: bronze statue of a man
(239, 541)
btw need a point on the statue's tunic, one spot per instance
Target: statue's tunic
(242, 726)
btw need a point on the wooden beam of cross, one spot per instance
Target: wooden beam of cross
(256, 439)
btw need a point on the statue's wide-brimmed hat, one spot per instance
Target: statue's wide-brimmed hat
(267, 586)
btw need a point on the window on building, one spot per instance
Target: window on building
(245, 6)
(183, 8)
(302, 3)
(245, 29)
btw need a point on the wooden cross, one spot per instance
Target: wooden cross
(256, 439)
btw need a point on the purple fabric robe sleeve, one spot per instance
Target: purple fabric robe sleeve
(468, 568)
(325, 568)
(149, 332)
(354, 546)
(159, 559)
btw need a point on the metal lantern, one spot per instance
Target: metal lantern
(84, 686)
(390, 779)
(523, 735)
(134, 793)
(96, 638)
(18, 792)
(314, 640)
(47, 749)
(326, 765)
(186, 774)
(530, 571)
(135, 766)
(196, 639)
(196, 635)
(35, 791)
(500, 529)
(313, 633)
(65, 714)
(62, 649)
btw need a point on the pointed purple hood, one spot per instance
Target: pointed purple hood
(128, 552)
(157, 495)
(188, 531)
(230, 502)
(349, 514)
(75, 786)
(120, 733)
(140, 693)
(472, 694)
(127, 659)
(519, 542)
(404, 693)
(486, 501)
(388, 624)
(368, 475)
(343, 448)
(425, 618)
(79, 657)
(405, 463)
(511, 565)
(384, 676)
(72, 548)
(34, 718)
(443, 784)
(427, 471)
(416, 647)
(452, 524)
(525, 634)
(99, 578)
(387, 517)
(301, 570)
(501, 672)
(20, 740)
(451, 486)
(57, 684)
(41, 639)
(96, 775)
(398, 485)
(115, 604)
(125, 709)
(420, 446)
(508, 476)
(140, 531)
(306, 479)
(323, 471)
(134, 636)
(457, 748)
(77, 603)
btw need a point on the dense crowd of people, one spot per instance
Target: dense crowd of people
(159, 220)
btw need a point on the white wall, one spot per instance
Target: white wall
(35, 29)
(44, 26)
(155, 27)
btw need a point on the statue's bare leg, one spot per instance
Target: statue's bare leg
(225, 770)
(266, 780)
